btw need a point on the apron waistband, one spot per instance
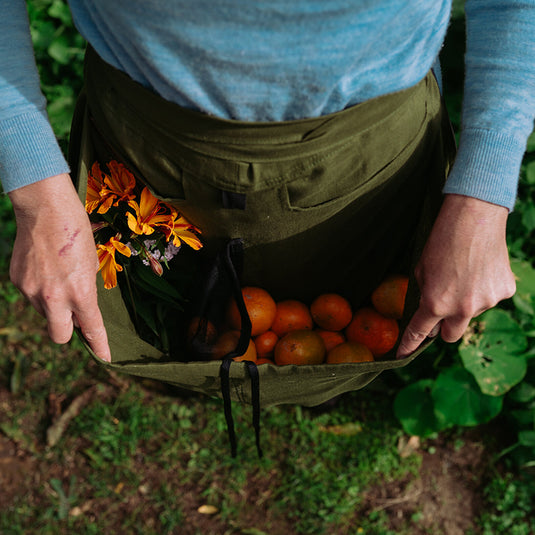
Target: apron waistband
(241, 156)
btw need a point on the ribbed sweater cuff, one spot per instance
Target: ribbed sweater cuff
(487, 167)
(29, 151)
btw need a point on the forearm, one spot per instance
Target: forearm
(499, 100)
(29, 151)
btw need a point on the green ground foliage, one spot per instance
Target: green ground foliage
(450, 438)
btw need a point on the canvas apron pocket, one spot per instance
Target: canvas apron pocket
(330, 204)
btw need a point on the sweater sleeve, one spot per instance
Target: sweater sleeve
(499, 100)
(28, 147)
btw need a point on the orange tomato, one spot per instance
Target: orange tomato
(331, 338)
(389, 297)
(331, 312)
(265, 343)
(291, 315)
(260, 306)
(377, 333)
(228, 342)
(349, 352)
(300, 347)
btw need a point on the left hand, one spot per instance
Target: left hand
(464, 270)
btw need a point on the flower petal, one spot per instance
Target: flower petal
(187, 237)
(120, 247)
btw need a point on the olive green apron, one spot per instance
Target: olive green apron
(300, 208)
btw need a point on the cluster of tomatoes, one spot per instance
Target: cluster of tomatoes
(327, 331)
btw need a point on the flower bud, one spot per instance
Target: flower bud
(155, 266)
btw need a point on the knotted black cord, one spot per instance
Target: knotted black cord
(232, 259)
(224, 374)
(255, 400)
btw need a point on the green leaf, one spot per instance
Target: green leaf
(526, 438)
(457, 9)
(522, 393)
(146, 312)
(530, 172)
(531, 143)
(42, 35)
(60, 50)
(528, 216)
(522, 417)
(60, 10)
(413, 407)
(157, 287)
(525, 285)
(491, 352)
(459, 401)
(60, 112)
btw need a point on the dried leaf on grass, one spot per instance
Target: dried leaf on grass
(348, 429)
(13, 333)
(208, 509)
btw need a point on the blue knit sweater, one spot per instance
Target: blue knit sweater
(273, 60)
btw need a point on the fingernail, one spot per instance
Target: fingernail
(434, 331)
(106, 357)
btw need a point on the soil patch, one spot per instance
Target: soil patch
(445, 497)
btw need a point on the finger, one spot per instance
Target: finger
(454, 328)
(91, 324)
(419, 328)
(60, 325)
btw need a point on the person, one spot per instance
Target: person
(276, 61)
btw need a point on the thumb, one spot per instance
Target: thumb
(421, 326)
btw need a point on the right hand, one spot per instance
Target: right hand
(54, 260)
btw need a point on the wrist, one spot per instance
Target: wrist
(50, 192)
(476, 207)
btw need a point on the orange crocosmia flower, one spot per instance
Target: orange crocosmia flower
(97, 195)
(181, 230)
(108, 266)
(92, 197)
(118, 186)
(97, 174)
(105, 190)
(120, 181)
(149, 214)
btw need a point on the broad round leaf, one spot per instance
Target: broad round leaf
(413, 407)
(491, 353)
(522, 393)
(525, 283)
(459, 401)
(522, 417)
(527, 438)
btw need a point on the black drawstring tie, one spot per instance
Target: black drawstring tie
(224, 374)
(232, 258)
(255, 400)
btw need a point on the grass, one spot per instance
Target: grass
(510, 503)
(130, 442)
(139, 458)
